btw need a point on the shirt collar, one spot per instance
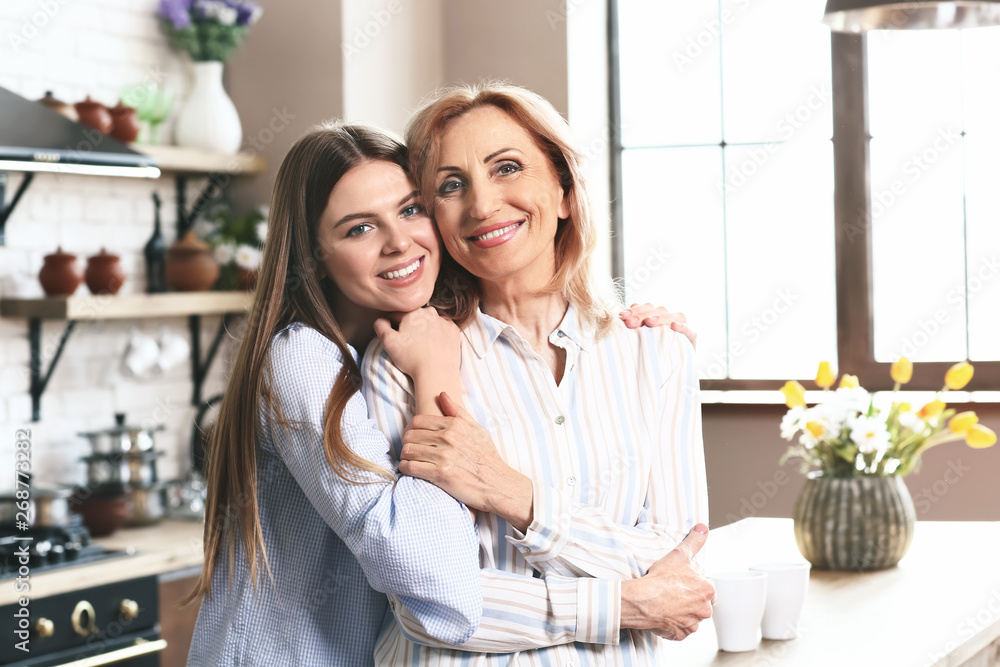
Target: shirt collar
(483, 330)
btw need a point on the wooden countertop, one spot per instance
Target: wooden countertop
(163, 547)
(940, 606)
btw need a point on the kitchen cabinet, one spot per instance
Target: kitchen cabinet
(177, 622)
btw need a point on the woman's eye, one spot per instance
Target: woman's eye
(505, 168)
(449, 186)
(358, 230)
(412, 210)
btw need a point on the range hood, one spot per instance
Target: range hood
(34, 138)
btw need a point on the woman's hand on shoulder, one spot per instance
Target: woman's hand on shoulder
(648, 315)
(423, 341)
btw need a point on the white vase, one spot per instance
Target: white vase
(209, 119)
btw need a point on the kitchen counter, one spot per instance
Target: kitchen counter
(163, 547)
(940, 606)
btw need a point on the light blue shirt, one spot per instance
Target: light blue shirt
(336, 548)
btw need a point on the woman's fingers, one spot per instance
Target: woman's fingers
(684, 329)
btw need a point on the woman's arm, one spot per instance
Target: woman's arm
(411, 539)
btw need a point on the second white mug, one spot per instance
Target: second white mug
(787, 584)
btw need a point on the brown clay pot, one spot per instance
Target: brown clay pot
(58, 106)
(126, 123)
(190, 265)
(104, 274)
(94, 114)
(246, 278)
(60, 275)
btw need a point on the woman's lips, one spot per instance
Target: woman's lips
(494, 235)
(404, 275)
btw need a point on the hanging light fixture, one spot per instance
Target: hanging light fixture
(865, 15)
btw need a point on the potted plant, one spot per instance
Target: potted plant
(237, 242)
(209, 31)
(855, 512)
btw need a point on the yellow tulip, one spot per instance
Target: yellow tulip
(905, 407)
(849, 382)
(795, 394)
(815, 428)
(962, 422)
(825, 377)
(902, 370)
(958, 375)
(980, 437)
(931, 409)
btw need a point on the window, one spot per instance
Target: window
(727, 180)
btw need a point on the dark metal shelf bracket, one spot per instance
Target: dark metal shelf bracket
(199, 368)
(7, 209)
(38, 380)
(186, 218)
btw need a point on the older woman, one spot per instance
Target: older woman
(598, 469)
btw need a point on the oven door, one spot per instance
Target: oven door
(136, 650)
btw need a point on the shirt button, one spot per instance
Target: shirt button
(571, 480)
(561, 334)
(560, 419)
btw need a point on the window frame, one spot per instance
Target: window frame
(852, 216)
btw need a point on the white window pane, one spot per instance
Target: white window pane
(782, 303)
(776, 70)
(980, 66)
(670, 89)
(983, 219)
(914, 81)
(918, 253)
(673, 241)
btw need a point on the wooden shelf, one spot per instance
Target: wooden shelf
(195, 161)
(126, 307)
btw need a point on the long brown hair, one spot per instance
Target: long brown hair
(458, 292)
(291, 287)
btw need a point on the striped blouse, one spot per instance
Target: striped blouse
(615, 455)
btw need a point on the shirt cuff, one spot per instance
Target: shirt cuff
(549, 530)
(598, 611)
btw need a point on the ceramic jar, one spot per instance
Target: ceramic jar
(95, 115)
(60, 275)
(125, 123)
(190, 265)
(104, 274)
(60, 107)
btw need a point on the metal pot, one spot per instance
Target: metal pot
(145, 504)
(122, 437)
(137, 468)
(45, 507)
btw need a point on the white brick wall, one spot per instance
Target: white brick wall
(76, 48)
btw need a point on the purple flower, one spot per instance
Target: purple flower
(177, 12)
(247, 13)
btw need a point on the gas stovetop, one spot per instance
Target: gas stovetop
(49, 548)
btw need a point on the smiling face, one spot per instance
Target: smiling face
(497, 199)
(379, 244)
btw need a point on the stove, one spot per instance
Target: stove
(49, 548)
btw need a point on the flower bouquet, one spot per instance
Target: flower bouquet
(848, 435)
(208, 30)
(237, 242)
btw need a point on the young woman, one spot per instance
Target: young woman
(307, 526)
(597, 468)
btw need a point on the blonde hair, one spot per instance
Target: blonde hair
(458, 292)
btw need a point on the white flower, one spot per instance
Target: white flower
(203, 229)
(911, 421)
(224, 253)
(247, 258)
(256, 14)
(853, 398)
(262, 231)
(226, 15)
(792, 422)
(869, 434)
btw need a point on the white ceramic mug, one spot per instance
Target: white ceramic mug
(739, 608)
(787, 584)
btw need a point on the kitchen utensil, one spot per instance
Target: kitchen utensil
(140, 355)
(58, 106)
(45, 507)
(60, 275)
(125, 123)
(104, 509)
(739, 608)
(145, 504)
(95, 115)
(186, 497)
(787, 584)
(174, 350)
(121, 468)
(122, 437)
(190, 265)
(104, 274)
